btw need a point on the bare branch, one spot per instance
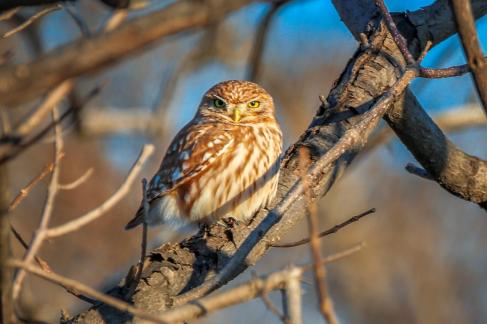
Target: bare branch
(106, 49)
(332, 230)
(48, 207)
(76, 183)
(8, 14)
(396, 35)
(32, 19)
(51, 101)
(46, 267)
(75, 285)
(87, 218)
(465, 22)
(24, 192)
(326, 305)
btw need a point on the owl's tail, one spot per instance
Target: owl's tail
(137, 220)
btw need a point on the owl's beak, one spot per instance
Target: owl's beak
(236, 115)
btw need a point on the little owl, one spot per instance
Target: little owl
(223, 163)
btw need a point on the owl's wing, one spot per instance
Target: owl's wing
(191, 152)
(193, 149)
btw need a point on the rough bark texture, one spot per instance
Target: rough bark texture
(174, 269)
(463, 175)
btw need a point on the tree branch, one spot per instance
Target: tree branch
(88, 55)
(461, 174)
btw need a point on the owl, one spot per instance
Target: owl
(223, 163)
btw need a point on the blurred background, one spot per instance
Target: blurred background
(425, 259)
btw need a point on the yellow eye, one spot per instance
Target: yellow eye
(254, 104)
(218, 103)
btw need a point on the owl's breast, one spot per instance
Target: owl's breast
(239, 182)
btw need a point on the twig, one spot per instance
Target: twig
(29, 21)
(24, 145)
(449, 72)
(396, 35)
(41, 262)
(52, 99)
(143, 245)
(45, 266)
(24, 192)
(329, 231)
(420, 172)
(9, 14)
(40, 234)
(325, 302)
(423, 72)
(76, 285)
(337, 256)
(76, 224)
(462, 10)
(293, 295)
(76, 183)
(105, 49)
(237, 295)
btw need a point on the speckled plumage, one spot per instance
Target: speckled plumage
(219, 165)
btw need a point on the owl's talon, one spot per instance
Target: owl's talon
(228, 222)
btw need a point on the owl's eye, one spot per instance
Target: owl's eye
(254, 104)
(218, 103)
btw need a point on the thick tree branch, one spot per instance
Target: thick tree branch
(463, 175)
(26, 81)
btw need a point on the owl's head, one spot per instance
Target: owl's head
(238, 102)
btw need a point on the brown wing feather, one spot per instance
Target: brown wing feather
(193, 149)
